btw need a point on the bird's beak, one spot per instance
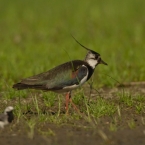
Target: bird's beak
(102, 62)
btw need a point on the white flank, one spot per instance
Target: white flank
(3, 123)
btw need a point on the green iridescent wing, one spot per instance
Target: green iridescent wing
(67, 74)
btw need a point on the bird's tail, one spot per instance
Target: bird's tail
(21, 86)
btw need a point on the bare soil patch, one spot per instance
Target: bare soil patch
(108, 130)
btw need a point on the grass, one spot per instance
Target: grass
(34, 34)
(35, 37)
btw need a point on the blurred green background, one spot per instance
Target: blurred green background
(35, 37)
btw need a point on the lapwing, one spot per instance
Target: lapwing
(65, 77)
(6, 117)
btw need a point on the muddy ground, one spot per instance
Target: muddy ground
(67, 135)
(81, 132)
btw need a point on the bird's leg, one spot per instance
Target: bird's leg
(74, 106)
(70, 100)
(67, 102)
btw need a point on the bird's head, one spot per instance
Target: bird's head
(9, 112)
(8, 109)
(92, 58)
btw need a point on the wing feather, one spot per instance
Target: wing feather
(64, 75)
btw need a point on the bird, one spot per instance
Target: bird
(65, 77)
(6, 117)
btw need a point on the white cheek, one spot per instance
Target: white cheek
(92, 63)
